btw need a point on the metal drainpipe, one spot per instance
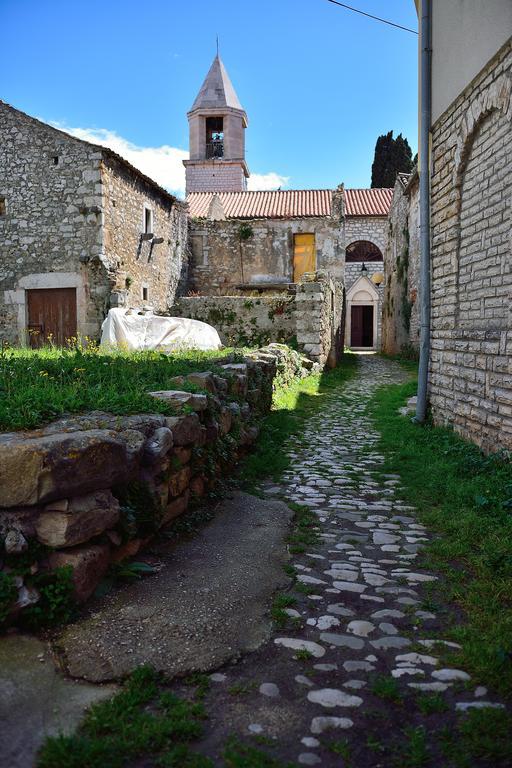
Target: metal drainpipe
(426, 117)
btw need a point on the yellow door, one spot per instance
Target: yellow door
(304, 256)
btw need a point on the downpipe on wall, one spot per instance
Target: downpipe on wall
(425, 266)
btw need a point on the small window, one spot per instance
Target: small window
(148, 220)
(2, 206)
(55, 159)
(145, 293)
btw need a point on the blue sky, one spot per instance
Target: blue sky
(318, 83)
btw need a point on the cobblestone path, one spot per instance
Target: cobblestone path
(360, 646)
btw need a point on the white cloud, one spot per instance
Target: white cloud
(270, 180)
(162, 164)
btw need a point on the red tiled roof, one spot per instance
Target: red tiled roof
(291, 203)
(277, 204)
(367, 202)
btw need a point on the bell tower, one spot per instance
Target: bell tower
(217, 123)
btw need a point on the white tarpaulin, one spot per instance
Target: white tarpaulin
(134, 331)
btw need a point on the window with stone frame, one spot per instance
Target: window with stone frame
(2, 206)
(148, 220)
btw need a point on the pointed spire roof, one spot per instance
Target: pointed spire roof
(217, 91)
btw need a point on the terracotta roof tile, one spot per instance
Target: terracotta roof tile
(291, 203)
(277, 204)
(368, 202)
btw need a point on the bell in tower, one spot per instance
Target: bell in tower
(217, 123)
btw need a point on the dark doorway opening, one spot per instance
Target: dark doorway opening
(361, 326)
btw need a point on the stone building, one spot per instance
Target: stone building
(258, 240)
(81, 230)
(401, 316)
(471, 191)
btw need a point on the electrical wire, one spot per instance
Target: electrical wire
(370, 16)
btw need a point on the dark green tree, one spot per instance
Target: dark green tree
(392, 156)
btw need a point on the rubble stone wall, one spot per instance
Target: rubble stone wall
(91, 490)
(137, 264)
(314, 317)
(243, 321)
(401, 316)
(470, 380)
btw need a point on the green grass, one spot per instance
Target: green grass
(465, 497)
(139, 720)
(387, 688)
(291, 407)
(37, 386)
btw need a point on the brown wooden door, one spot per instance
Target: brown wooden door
(51, 315)
(304, 255)
(361, 326)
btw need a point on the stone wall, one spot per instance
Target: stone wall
(371, 228)
(136, 264)
(91, 490)
(401, 316)
(314, 317)
(225, 254)
(243, 321)
(470, 380)
(52, 221)
(320, 318)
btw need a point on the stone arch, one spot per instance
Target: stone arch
(482, 199)
(362, 294)
(362, 251)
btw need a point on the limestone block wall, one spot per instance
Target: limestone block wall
(401, 316)
(320, 318)
(141, 268)
(91, 490)
(214, 176)
(221, 260)
(52, 222)
(243, 321)
(471, 359)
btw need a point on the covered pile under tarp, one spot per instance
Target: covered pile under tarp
(133, 330)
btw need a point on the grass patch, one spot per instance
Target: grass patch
(278, 613)
(37, 386)
(387, 688)
(467, 498)
(480, 735)
(139, 720)
(413, 752)
(240, 755)
(291, 407)
(430, 703)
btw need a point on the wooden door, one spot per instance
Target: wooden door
(361, 326)
(51, 315)
(304, 255)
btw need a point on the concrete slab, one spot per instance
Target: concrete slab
(208, 604)
(36, 700)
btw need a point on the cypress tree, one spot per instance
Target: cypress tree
(392, 156)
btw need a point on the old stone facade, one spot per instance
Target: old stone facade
(401, 316)
(471, 188)
(227, 254)
(73, 224)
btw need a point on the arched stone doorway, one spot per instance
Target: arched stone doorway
(362, 325)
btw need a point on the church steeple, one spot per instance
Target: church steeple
(217, 122)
